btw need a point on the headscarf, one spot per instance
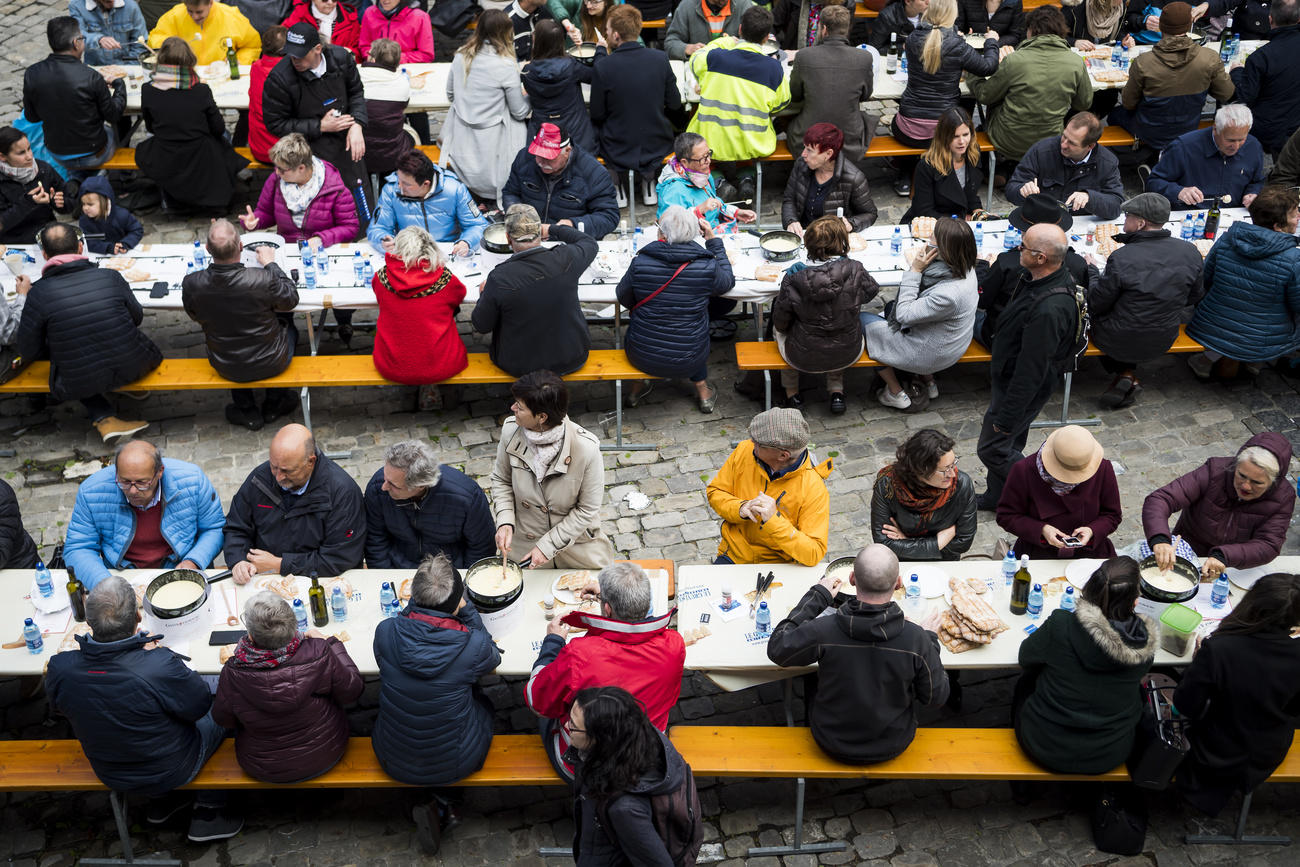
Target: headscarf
(923, 501)
(1058, 487)
(698, 179)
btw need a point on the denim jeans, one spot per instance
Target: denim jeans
(76, 165)
(210, 735)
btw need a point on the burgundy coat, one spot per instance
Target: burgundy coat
(1028, 503)
(331, 216)
(1214, 521)
(289, 720)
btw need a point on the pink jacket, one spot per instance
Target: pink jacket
(331, 216)
(409, 28)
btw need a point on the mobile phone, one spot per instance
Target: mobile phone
(159, 290)
(1072, 542)
(221, 637)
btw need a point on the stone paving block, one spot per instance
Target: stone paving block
(914, 859)
(876, 844)
(739, 821)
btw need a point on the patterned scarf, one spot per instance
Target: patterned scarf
(1103, 18)
(814, 19)
(1058, 487)
(249, 655)
(297, 199)
(543, 447)
(923, 503)
(19, 174)
(168, 77)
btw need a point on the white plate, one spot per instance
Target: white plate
(568, 597)
(1246, 578)
(932, 579)
(1079, 571)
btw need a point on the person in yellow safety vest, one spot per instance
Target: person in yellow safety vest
(206, 25)
(740, 90)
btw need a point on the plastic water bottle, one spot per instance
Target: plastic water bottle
(394, 608)
(1117, 56)
(1035, 609)
(637, 236)
(1068, 600)
(200, 256)
(323, 263)
(763, 620)
(309, 274)
(1198, 230)
(304, 251)
(32, 635)
(300, 614)
(913, 592)
(358, 267)
(339, 604)
(1009, 568)
(44, 583)
(902, 63)
(979, 236)
(896, 242)
(190, 267)
(386, 597)
(1188, 230)
(1219, 592)
(1011, 239)
(368, 271)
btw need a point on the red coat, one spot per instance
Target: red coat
(346, 32)
(260, 139)
(416, 341)
(1028, 503)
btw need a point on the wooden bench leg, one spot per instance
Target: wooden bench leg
(1241, 838)
(118, 802)
(1065, 409)
(799, 847)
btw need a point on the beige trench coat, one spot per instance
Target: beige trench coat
(561, 516)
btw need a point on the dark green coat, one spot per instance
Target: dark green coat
(1084, 708)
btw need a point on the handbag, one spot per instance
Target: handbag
(451, 17)
(1119, 821)
(641, 303)
(1161, 741)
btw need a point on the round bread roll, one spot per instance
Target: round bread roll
(922, 227)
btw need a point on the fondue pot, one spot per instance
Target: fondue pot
(501, 612)
(584, 52)
(1182, 567)
(494, 241)
(846, 591)
(178, 621)
(776, 246)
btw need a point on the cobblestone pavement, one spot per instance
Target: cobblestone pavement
(1175, 424)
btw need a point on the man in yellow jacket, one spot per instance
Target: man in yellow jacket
(772, 498)
(206, 25)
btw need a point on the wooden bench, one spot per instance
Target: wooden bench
(123, 160)
(308, 371)
(779, 752)
(763, 355)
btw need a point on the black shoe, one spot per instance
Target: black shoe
(793, 401)
(903, 187)
(838, 407)
(1131, 397)
(428, 827)
(748, 189)
(164, 807)
(279, 406)
(345, 334)
(241, 417)
(722, 330)
(985, 503)
(213, 823)
(1114, 396)
(727, 191)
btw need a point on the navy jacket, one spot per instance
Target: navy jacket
(134, 711)
(1267, 83)
(434, 725)
(554, 87)
(583, 193)
(453, 518)
(121, 226)
(1193, 160)
(1098, 177)
(669, 336)
(632, 91)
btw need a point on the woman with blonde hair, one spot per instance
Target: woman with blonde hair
(485, 128)
(416, 341)
(937, 55)
(947, 181)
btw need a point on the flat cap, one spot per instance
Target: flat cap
(1152, 207)
(780, 428)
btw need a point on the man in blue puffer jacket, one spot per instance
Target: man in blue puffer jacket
(144, 512)
(421, 194)
(1252, 287)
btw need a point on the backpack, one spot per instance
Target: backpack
(1083, 324)
(677, 820)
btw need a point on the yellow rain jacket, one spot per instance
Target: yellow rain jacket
(209, 40)
(740, 90)
(796, 533)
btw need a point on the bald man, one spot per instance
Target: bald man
(144, 512)
(874, 667)
(298, 513)
(1035, 340)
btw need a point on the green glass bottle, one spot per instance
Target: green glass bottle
(77, 595)
(232, 59)
(1020, 586)
(320, 612)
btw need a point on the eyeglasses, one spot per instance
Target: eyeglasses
(708, 157)
(137, 486)
(948, 470)
(80, 39)
(568, 727)
(1030, 250)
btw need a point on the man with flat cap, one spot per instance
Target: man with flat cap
(298, 513)
(1150, 285)
(771, 495)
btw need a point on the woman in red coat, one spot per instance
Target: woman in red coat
(416, 341)
(337, 22)
(1063, 493)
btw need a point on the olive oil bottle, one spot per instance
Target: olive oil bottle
(320, 612)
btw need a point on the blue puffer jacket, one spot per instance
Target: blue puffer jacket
(669, 336)
(121, 226)
(1252, 300)
(453, 518)
(134, 711)
(448, 214)
(103, 522)
(583, 193)
(434, 726)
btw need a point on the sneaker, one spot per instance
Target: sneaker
(1144, 174)
(896, 401)
(639, 391)
(838, 406)
(932, 388)
(1201, 366)
(903, 187)
(722, 330)
(213, 823)
(429, 398)
(707, 404)
(111, 428)
(428, 827)
(163, 807)
(620, 193)
(648, 196)
(748, 188)
(1114, 396)
(791, 401)
(276, 406)
(240, 416)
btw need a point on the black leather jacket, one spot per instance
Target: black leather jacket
(73, 101)
(958, 512)
(236, 306)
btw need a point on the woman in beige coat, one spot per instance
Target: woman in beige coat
(549, 481)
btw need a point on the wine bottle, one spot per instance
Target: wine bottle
(1020, 587)
(320, 612)
(1212, 220)
(891, 60)
(77, 595)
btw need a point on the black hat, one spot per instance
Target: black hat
(301, 39)
(1040, 208)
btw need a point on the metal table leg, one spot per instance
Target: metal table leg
(1241, 838)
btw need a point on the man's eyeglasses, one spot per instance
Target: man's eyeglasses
(137, 486)
(708, 157)
(1030, 250)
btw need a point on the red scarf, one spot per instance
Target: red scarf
(923, 503)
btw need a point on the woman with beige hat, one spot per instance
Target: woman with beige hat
(1062, 501)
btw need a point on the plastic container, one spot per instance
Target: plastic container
(300, 615)
(1178, 628)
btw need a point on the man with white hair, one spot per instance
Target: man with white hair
(1234, 511)
(416, 507)
(874, 667)
(625, 645)
(1225, 162)
(142, 716)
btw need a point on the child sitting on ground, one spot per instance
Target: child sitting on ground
(108, 227)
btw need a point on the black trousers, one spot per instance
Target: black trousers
(999, 451)
(1115, 366)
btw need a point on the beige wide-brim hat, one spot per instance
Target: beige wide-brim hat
(1071, 454)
